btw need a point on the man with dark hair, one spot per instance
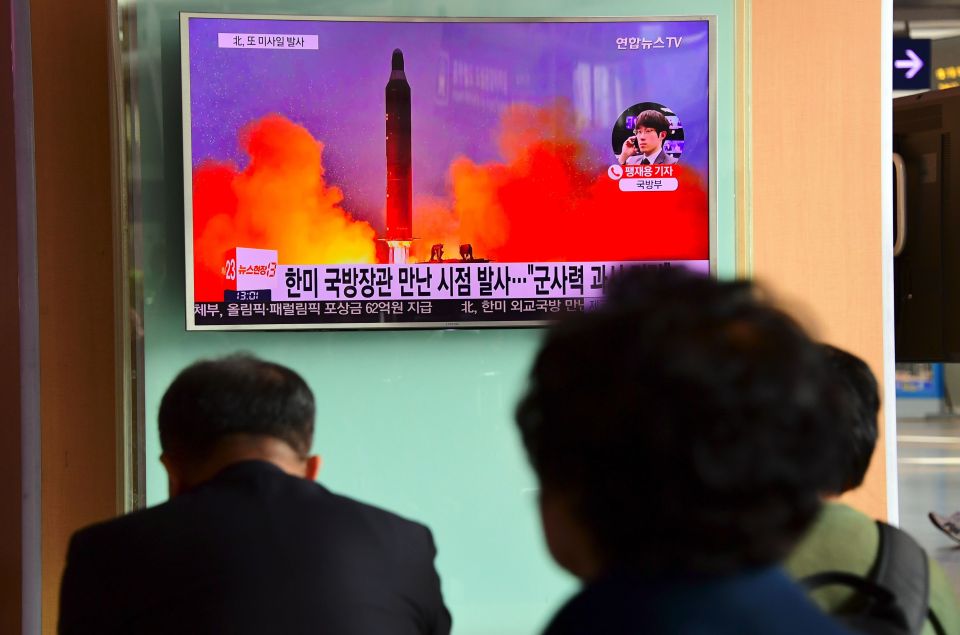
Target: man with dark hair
(848, 541)
(248, 543)
(861, 403)
(645, 147)
(679, 434)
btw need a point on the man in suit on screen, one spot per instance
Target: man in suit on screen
(645, 147)
(248, 542)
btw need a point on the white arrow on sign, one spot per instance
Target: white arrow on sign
(913, 65)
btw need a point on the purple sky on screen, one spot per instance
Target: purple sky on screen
(337, 91)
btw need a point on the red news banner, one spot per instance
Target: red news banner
(644, 178)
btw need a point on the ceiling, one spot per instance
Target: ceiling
(933, 19)
(926, 9)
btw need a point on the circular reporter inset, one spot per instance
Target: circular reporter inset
(647, 133)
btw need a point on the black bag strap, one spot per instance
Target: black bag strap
(897, 588)
(902, 568)
(882, 615)
(938, 628)
(861, 585)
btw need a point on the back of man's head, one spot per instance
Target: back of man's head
(215, 401)
(687, 421)
(858, 426)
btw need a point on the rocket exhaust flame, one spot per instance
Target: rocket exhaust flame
(399, 251)
(543, 201)
(547, 201)
(279, 201)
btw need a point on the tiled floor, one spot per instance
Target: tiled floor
(929, 467)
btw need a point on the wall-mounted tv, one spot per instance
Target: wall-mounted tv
(407, 172)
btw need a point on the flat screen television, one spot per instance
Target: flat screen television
(409, 172)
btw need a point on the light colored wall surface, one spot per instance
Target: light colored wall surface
(816, 143)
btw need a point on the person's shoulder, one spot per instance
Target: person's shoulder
(841, 538)
(838, 518)
(293, 492)
(106, 546)
(774, 594)
(98, 573)
(602, 607)
(764, 602)
(128, 527)
(842, 512)
(943, 599)
(380, 520)
(756, 602)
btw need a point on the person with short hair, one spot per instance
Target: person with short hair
(844, 539)
(248, 542)
(678, 434)
(645, 147)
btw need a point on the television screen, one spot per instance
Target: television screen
(350, 173)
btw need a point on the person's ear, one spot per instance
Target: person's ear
(567, 539)
(174, 477)
(313, 467)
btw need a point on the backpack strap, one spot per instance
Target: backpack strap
(935, 623)
(901, 567)
(897, 588)
(881, 615)
(863, 586)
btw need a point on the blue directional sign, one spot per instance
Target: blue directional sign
(911, 64)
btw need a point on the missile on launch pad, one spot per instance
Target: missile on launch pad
(399, 232)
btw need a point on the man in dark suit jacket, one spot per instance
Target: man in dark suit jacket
(248, 543)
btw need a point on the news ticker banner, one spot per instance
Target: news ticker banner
(259, 291)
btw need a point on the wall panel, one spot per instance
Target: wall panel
(816, 176)
(76, 276)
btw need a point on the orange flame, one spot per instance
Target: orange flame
(279, 201)
(546, 202)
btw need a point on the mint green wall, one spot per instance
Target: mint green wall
(418, 422)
